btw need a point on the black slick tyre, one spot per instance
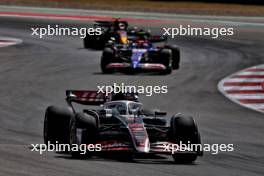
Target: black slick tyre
(107, 56)
(184, 130)
(166, 59)
(56, 125)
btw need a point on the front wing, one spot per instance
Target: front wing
(140, 66)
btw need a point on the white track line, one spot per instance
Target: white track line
(247, 96)
(251, 73)
(257, 107)
(242, 88)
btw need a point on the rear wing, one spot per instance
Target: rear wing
(85, 97)
(108, 24)
(103, 23)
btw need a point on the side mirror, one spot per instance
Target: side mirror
(107, 112)
(111, 40)
(160, 113)
(69, 94)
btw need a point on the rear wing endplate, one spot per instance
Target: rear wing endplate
(85, 97)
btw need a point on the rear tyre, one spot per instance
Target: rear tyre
(184, 129)
(87, 42)
(107, 56)
(166, 56)
(175, 57)
(56, 125)
(83, 130)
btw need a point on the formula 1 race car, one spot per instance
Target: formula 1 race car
(140, 54)
(114, 29)
(109, 29)
(120, 124)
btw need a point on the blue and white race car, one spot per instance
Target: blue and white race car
(139, 54)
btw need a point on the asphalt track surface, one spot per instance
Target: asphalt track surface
(37, 72)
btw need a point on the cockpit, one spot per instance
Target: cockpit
(124, 108)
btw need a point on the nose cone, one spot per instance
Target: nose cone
(140, 137)
(147, 146)
(144, 146)
(135, 64)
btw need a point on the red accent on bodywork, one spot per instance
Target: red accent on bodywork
(86, 97)
(116, 65)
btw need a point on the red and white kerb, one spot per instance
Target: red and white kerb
(245, 87)
(8, 42)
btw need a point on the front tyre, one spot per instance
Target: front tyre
(56, 125)
(184, 130)
(106, 59)
(166, 57)
(87, 41)
(175, 57)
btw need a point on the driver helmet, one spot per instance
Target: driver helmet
(122, 26)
